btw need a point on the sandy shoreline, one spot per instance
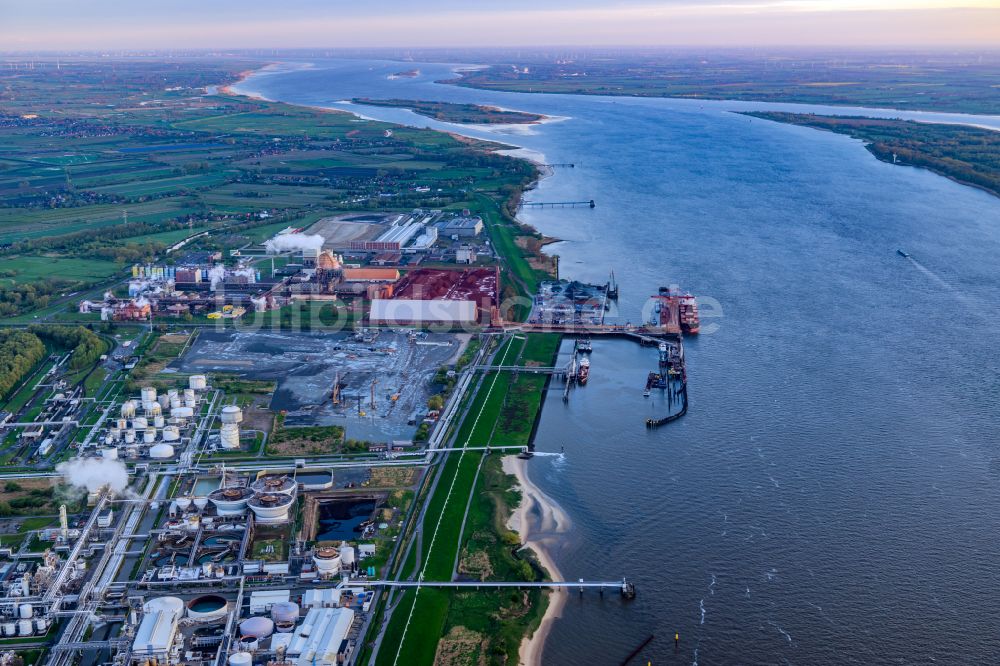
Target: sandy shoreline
(540, 522)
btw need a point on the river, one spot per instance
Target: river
(833, 495)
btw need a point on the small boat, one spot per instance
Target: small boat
(902, 254)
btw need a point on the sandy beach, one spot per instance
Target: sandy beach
(541, 523)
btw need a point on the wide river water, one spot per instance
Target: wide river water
(833, 495)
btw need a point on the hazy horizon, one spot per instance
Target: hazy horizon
(58, 25)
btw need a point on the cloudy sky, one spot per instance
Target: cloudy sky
(140, 24)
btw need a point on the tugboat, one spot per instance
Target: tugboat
(583, 372)
(584, 346)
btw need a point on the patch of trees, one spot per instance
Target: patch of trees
(87, 346)
(18, 298)
(20, 351)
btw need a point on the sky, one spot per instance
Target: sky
(185, 24)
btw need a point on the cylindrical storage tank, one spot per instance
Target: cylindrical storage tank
(347, 556)
(153, 409)
(115, 432)
(109, 439)
(149, 435)
(285, 611)
(197, 382)
(161, 451)
(207, 607)
(201, 503)
(122, 424)
(240, 659)
(230, 501)
(148, 394)
(9, 628)
(176, 402)
(164, 400)
(229, 436)
(285, 485)
(271, 509)
(25, 611)
(231, 414)
(248, 643)
(109, 454)
(25, 628)
(171, 433)
(189, 394)
(128, 409)
(182, 412)
(183, 503)
(258, 627)
(327, 560)
(41, 625)
(130, 436)
(158, 421)
(140, 423)
(191, 402)
(172, 393)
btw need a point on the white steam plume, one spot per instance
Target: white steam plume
(94, 473)
(216, 274)
(291, 242)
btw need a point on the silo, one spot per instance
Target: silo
(229, 433)
(197, 382)
(347, 556)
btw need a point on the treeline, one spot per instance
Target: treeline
(970, 155)
(87, 240)
(18, 298)
(87, 346)
(20, 351)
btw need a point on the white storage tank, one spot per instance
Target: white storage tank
(161, 451)
(164, 400)
(9, 628)
(116, 432)
(25, 611)
(347, 556)
(148, 394)
(140, 423)
(176, 402)
(327, 560)
(182, 413)
(153, 409)
(197, 382)
(149, 435)
(25, 628)
(109, 453)
(41, 625)
(122, 424)
(171, 433)
(258, 627)
(108, 439)
(158, 421)
(189, 395)
(285, 611)
(128, 409)
(231, 414)
(240, 659)
(130, 436)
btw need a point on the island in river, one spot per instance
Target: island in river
(968, 155)
(468, 114)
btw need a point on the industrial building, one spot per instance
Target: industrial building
(322, 637)
(462, 227)
(405, 311)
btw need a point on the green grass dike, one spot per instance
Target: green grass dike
(465, 534)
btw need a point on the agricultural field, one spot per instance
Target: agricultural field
(138, 155)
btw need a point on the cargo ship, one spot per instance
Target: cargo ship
(674, 312)
(583, 371)
(690, 323)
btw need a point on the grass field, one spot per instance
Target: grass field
(34, 268)
(422, 617)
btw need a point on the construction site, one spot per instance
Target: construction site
(375, 383)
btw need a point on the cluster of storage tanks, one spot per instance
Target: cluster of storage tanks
(143, 423)
(21, 622)
(332, 561)
(253, 630)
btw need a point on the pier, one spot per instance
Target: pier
(558, 204)
(626, 588)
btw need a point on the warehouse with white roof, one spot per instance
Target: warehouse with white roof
(322, 636)
(413, 311)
